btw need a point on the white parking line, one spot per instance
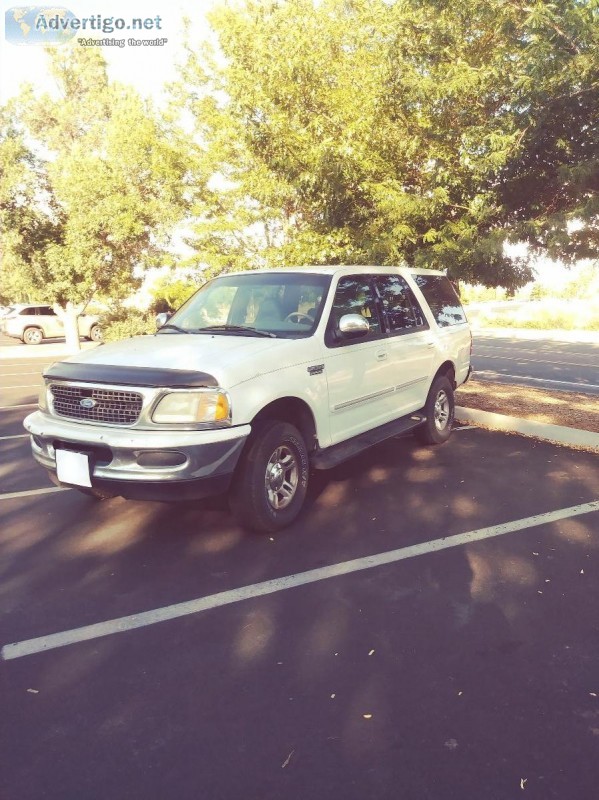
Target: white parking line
(32, 492)
(16, 436)
(25, 386)
(145, 618)
(26, 364)
(22, 405)
(14, 374)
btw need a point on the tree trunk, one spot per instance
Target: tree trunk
(70, 317)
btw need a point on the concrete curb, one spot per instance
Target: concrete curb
(584, 440)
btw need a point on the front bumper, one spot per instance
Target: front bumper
(159, 465)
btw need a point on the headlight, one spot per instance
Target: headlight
(42, 400)
(193, 407)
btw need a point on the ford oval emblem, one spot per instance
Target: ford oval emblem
(87, 402)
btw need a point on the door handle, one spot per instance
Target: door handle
(381, 355)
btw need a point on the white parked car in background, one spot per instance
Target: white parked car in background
(33, 323)
(256, 379)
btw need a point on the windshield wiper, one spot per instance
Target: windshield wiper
(172, 327)
(245, 329)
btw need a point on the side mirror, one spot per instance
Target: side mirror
(162, 319)
(352, 326)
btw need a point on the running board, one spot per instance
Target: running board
(338, 453)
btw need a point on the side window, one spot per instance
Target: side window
(442, 299)
(400, 307)
(46, 311)
(27, 312)
(353, 295)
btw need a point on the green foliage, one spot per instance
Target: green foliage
(122, 323)
(27, 213)
(172, 291)
(107, 196)
(585, 284)
(477, 293)
(377, 132)
(539, 292)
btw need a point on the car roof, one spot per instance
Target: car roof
(366, 269)
(18, 306)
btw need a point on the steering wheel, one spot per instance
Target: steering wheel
(298, 318)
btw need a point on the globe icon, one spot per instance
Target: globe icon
(38, 25)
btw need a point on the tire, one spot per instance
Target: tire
(95, 333)
(439, 410)
(32, 336)
(269, 486)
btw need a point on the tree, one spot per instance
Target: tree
(551, 189)
(375, 132)
(170, 291)
(117, 179)
(28, 221)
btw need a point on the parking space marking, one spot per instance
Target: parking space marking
(14, 374)
(22, 405)
(32, 492)
(145, 618)
(16, 436)
(25, 386)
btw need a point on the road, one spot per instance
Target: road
(540, 363)
(450, 674)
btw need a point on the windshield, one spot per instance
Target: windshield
(254, 304)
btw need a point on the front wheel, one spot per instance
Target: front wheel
(270, 484)
(95, 333)
(32, 336)
(439, 411)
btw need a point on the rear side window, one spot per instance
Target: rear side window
(442, 299)
(400, 308)
(46, 311)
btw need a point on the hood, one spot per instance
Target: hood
(230, 359)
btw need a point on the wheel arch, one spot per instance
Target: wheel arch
(295, 411)
(35, 327)
(447, 368)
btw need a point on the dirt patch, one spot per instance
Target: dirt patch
(573, 410)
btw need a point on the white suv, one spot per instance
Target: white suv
(34, 323)
(257, 378)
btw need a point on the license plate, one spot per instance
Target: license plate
(73, 468)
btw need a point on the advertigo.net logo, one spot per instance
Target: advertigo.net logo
(52, 25)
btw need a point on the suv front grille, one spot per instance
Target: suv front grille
(112, 406)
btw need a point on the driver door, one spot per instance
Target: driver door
(358, 371)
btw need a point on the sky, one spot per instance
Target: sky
(146, 68)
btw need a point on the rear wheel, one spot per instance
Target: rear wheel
(270, 484)
(439, 410)
(32, 336)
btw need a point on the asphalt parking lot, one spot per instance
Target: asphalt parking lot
(464, 667)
